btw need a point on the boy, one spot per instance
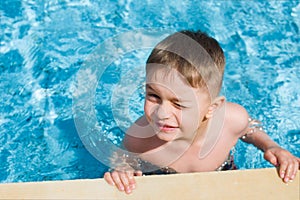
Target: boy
(187, 126)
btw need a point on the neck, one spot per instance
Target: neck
(211, 134)
(201, 132)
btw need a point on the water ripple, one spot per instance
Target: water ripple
(44, 43)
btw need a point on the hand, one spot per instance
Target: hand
(287, 164)
(123, 180)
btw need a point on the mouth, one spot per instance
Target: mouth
(166, 127)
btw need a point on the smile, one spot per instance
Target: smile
(166, 127)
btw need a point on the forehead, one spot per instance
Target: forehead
(165, 76)
(171, 80)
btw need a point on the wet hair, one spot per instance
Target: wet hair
(195, 55)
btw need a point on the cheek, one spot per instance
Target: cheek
(179, 115)
(148, 109)
(191, 119)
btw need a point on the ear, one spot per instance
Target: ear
(215, 105)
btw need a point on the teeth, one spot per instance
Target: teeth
(165, 126)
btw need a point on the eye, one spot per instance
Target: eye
(152, 97)
(179, 106)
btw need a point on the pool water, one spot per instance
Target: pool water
(44, 44)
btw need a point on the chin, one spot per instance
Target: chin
(166, 136)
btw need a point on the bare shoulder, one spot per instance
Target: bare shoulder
(237, 118)
(132, 144)
(140, 137)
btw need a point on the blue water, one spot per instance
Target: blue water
(44, 44)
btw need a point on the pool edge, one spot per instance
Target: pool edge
(237, 184)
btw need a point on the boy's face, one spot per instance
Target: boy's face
(173, 108)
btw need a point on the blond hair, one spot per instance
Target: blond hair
(198, 57)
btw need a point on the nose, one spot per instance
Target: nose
(163, 111)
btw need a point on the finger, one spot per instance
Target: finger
(108, 179)
(131, 180)
(126, 183)
(138, 173)
(116, 177)
(288, 173)
(282, 169)
(271, 158)
(296, 166)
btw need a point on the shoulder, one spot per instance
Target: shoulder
(132, 144)
(140, 137)
(236, 118)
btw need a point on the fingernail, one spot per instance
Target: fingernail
(132, 186)
(286, 180)
(130, 177)
(293, 176)
(128, 190)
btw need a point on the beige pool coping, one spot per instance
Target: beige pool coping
(239, 184)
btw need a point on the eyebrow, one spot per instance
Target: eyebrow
(172, 99)
(149, 87)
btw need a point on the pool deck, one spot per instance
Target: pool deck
(238, 184)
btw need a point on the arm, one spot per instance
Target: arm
(123, 172)
(258, 138)
(123, 179)
(286, 163)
